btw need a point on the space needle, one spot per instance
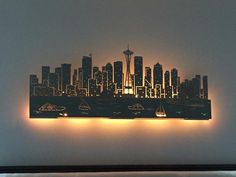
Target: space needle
(128, 86)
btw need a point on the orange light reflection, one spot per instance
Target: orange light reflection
(124, 127)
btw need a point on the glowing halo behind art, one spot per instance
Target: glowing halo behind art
(100, 92)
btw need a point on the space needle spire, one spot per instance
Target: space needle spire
(128, 87)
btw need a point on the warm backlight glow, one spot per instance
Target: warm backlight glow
(121, 128)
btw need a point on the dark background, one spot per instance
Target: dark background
(197, 37)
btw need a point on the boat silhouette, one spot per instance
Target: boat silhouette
(84, 106)
(160, 111)
(136, 107)
(48, 107)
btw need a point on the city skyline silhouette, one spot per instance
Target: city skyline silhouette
(120, 86)
(195, 37)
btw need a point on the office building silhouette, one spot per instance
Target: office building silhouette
(138, 71)
(86, 70)
(118, 74)
(65, 76)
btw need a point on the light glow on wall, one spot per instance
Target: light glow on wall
(118, 126)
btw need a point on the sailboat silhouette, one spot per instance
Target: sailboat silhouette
(160, 111)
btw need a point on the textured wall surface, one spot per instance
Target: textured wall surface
(197, 37)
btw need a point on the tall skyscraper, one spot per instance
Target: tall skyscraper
(148, 80)
(74, 77)
(87, 70)
(168, 88)
(148, 75)
(45, 75)
(198, 77)
(58, 72)
(138, 71)
(205, 87)
(178, 83)
(167, 79)
(118, 74)
(80, 77)
(182, 90)
(53, 80)
(33, 82)
(174, 81)
(109, 70)
(157, 75)
(196, 86)
(95, 69)
(186, 89)
(65, 75)
(104, 79)
(174, 77)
